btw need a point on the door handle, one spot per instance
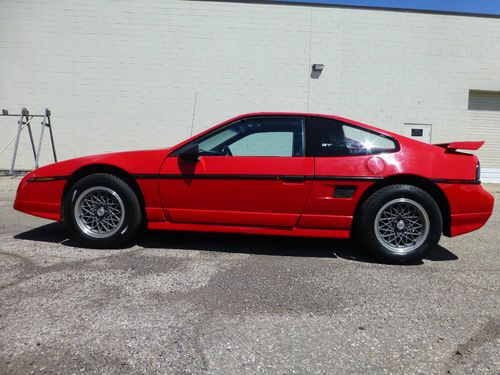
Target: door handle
(293, 179)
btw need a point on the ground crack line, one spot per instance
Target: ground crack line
(487, 333)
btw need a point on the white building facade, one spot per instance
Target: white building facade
(123, 75)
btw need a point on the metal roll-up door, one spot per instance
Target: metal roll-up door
(484, 124)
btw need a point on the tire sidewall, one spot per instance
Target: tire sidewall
(373, 205)
(132, 214)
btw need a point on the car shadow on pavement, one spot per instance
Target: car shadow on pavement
(235, 243)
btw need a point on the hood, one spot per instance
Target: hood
(133, 162)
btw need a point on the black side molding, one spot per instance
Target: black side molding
(292, 178)
(455, 181)
(288, 178)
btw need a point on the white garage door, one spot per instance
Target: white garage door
(484, 124)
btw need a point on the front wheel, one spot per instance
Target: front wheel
(400, 223)
(102, 211)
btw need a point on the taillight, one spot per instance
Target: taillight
(478, 171)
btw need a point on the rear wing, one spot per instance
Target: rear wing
(453, 146)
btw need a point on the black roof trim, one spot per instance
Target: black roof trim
(362, 7)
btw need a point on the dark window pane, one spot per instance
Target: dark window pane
(417, 132)
(327, 137)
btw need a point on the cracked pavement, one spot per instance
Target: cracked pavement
(191, 303)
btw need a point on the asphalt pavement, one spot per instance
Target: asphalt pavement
(191, 303)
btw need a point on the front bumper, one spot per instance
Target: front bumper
(42, 199)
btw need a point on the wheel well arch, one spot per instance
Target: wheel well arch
(104, 168)
(423, 183)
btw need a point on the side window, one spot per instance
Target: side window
(256, 136)
(264, 144)
(327, 137)
(359, 141)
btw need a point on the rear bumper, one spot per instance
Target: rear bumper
(470, 207)
(465, 223)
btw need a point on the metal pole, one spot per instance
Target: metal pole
(31, 139)
(16, 145)
(37, 158)
(8, 143)
(49, 124)
(15, 115)
(194, 111)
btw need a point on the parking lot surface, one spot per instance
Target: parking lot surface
(191, 303)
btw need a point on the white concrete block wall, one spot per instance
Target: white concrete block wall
(123, 75)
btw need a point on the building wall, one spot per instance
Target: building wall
(123, 75)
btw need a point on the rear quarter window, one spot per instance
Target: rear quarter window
(327, 137)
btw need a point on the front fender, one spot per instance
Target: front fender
(40, 192)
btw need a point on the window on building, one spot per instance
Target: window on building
(484, 100)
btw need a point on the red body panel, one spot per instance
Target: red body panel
(470, 205)
(259, 198)
(33, 196)
(293, 196)
(40, 199)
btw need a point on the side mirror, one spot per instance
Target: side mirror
(191, 153)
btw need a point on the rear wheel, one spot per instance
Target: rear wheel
(400, 223)
(102, 211)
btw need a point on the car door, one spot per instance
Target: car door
(348, 160)
(251, 172)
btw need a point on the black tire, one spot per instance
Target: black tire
(116, 195)
(382, 220)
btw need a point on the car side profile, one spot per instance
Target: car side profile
(289, 174)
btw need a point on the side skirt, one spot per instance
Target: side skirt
(293, 232)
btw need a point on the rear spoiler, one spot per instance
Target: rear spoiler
(452, 146)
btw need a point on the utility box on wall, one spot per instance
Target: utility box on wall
(420, 132)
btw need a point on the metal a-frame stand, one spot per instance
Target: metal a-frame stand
(25, 122)
(45, 124)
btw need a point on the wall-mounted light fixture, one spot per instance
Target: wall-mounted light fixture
(318, 67)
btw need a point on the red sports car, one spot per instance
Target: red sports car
(291, 174)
